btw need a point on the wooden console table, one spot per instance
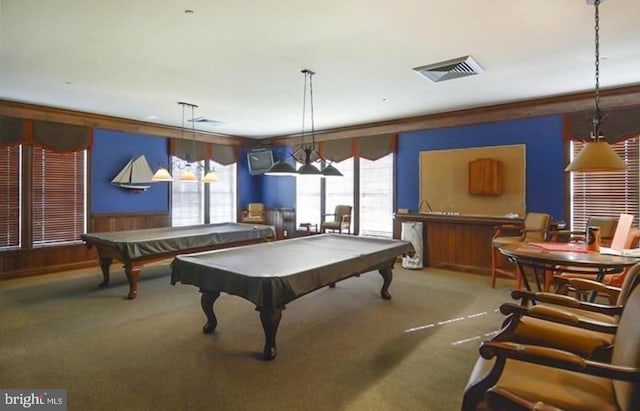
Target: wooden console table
(457, 242)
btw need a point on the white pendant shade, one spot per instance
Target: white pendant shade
(188, 176)
(210, 177)
(162, 175)
(596, 156)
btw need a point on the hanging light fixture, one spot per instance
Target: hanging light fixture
(596, 155)
(187, 175)
(307, 155)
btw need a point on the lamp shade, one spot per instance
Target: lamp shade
(597, 156)
(331, 171)
(309, 170)
(187, 175)
(281, 168)
(210, 177)
(162, 175)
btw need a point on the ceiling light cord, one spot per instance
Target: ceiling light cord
(597, 115)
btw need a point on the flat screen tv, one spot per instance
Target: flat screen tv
(259, 161)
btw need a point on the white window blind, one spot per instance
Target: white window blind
(607, 194)
(339, 190)
(376, 197)
(10, 196)
(307, 200)
(222, 194)
(59, 196)
(187, 197)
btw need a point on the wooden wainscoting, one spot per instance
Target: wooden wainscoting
(105, 222)
(44, 260)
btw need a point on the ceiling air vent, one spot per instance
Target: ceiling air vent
(450, 69)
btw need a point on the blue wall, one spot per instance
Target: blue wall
(279, 192)
(110, 152)
(542, 136)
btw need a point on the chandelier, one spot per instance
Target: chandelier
(307, 155)
(596, 155)
(187, 175)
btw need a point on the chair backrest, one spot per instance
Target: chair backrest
(631, 280)
(626, 352)
(255, 209)
(607, 227)
(536, 226)
(343, 216)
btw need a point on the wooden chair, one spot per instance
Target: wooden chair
(254, 214)
(607, 227)
(563, 322)
(341, 220)
(514, 376)
(535, 227)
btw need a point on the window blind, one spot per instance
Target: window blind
(187, 198)
(222, 194)
(339, 190)
(606, 194)
(10, 196)
(376, 197)
(59, 199)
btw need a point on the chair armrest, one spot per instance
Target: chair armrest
(581, 285)
(558, 316)
(501, 229)
(552, 357)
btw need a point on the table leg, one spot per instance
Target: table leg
(525, 280)
(105, 263)
(599, 278)
(133, 273)
(387, 276)
(206, 302)
(270, 319)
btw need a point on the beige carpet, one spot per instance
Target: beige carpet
(338, 349)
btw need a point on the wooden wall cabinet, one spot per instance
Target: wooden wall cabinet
(485, 177)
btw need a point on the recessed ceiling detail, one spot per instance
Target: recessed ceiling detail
(450, 69)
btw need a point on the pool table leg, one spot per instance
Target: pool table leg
(105, 263)
(387, 276)
(206, 302)
(133, 273)
(270, 319)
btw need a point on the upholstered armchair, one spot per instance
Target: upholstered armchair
(534, 228)
(514, 376)
(341, 220)
(254, 214)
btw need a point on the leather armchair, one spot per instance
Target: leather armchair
(534, 228)
(519, 374)
(341, 220)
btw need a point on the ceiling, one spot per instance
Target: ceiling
(240, 61)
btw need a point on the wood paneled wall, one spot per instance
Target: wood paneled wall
(99, 223)
(44, 260)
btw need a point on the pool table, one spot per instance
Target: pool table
(270, 275)
(134, 248)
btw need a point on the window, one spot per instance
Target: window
(58, 196)
(307, 200)
(10, 196)
(222, 194)
(606, 194)
(376, 197)
(187, 197)
(339, 190)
